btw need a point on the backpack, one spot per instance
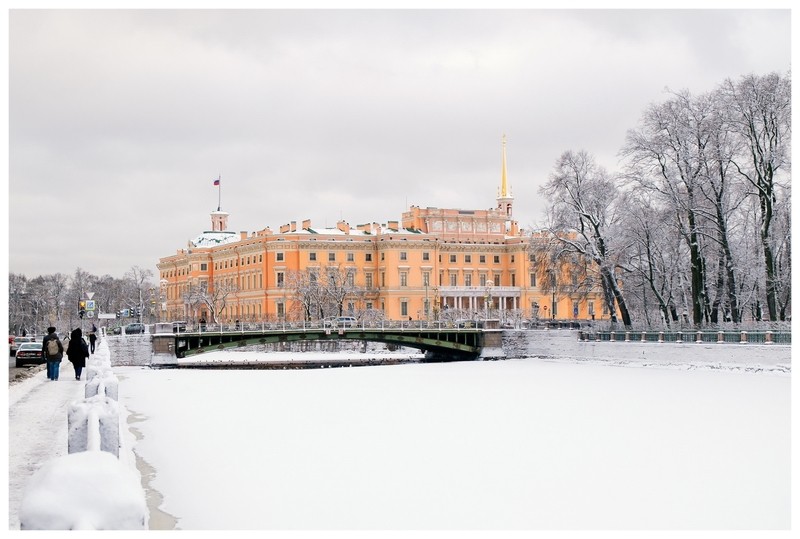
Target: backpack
(52, 348)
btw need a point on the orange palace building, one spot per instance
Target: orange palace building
(468, 263)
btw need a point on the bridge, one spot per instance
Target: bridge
(439, 342)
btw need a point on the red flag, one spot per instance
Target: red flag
(216, 182)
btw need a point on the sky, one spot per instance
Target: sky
(525, 444)
(120, 120)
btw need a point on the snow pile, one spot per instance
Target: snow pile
(90, 490)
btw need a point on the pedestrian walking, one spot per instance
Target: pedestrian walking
(52, 353)
(92, 338)
(77, 351)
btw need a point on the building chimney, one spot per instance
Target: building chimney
(343, 226)
(306, 224)
(293, 226)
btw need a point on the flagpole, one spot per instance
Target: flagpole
(219, 192)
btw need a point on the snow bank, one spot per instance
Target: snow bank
(90, 490)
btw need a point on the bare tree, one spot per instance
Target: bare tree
(760, 113)
(585, 199)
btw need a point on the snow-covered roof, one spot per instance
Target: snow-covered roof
(214, 238)
(333, 231)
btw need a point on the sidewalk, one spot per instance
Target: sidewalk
(37, 426)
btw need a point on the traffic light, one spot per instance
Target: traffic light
(81, 313)
(82, 305)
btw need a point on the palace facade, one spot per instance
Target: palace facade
(432, 263)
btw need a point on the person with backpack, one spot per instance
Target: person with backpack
(52, 352)
(77, 351)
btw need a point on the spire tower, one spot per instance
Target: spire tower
(505, 201)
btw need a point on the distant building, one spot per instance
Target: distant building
(432, 263)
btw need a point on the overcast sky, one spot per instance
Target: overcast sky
(121, 120)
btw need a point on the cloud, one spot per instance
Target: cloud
(120, 119)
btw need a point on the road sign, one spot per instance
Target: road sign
(90, 305)
(109, 316)
(89, 314)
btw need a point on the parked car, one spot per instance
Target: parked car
(29, 353)
(15, 342)
(116, 330)
(134, 328)
(340, 322)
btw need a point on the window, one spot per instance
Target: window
(453, 279)
(383, 256)
(369, 305)
(426, 256)
(468, 279)
(483, 279)
(532, 258)
(426, 278)
(281, 311)
(496, 259)
(278, 257)
(383, 278)
(467, 259)
(312, 257)
(512, 259)
(452, 259)
(350, 257)
(368, 280)
(279, 278)
(331, 257)
(533, 279)
(368, 257)
(403, 255)
(574, 309)
(351, 279)
(591, 308)
(404, 308)
(204, 267)
(513, 279)
(482, 259)
(497, 279)
(403, 278)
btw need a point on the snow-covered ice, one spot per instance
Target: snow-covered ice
(556, 443)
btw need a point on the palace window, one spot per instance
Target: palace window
(426, 278)
(533, 279)
(467, 279)
(279, 257)
(452, 259)
(467, 259)
(383, 278)
(497, 279)
(513, 279)
(204, 267)
(331, 257)
(312, 257)
(404, 308)
(426, 256)
(403, 255)
(403, 278)
(279, 278)
(483, 279)
(482, 259)
(496, 259)
(453, 279)
(350, 257)
(368, 280)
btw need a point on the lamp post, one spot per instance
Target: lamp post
(553, 289)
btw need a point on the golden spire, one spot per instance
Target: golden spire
(504, 193)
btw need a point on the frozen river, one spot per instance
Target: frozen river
(517, 444)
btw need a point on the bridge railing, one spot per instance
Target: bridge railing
(261, 327)
(753, 337)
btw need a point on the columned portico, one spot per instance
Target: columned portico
(475, 299)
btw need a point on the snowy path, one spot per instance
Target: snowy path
(37, 427)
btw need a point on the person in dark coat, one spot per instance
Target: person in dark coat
(77, 351)
(92, 338)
